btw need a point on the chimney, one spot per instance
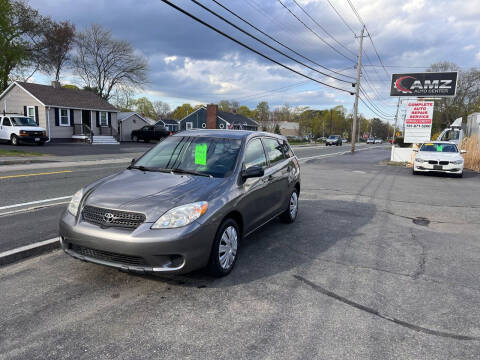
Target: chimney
(56, 84)
(212, 116)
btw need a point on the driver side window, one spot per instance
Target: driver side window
(255, 155)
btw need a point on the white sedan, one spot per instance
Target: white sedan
(439, 156)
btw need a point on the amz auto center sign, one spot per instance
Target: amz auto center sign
(418, 122)
(430, 84)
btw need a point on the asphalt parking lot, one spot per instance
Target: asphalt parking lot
(380, 264)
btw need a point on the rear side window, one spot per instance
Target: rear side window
(6, 122)
(255, 155)
(274, 150)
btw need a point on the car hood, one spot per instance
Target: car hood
(30, 128)
(433, 155)
(151, 193)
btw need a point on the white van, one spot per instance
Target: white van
(16, 129)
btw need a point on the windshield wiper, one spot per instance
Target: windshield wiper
(144, 168)
(191, 172)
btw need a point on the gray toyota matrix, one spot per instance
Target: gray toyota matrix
(185, 204)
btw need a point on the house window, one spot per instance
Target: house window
(64, 117)
(189, 125)
(103, 118)
(31, 113)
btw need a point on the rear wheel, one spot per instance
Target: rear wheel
(14, 140)
(290, 213)
(224, 250)
(135, 138)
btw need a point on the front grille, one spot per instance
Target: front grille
(112, 218)
(109, 256)
(443, 162)
(433, 162)
(35, 133)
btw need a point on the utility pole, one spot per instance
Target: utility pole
(395, 125)
(357, 92)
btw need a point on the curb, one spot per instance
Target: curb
(23, 252)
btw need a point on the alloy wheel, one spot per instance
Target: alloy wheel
(228, 247)
(293, 205)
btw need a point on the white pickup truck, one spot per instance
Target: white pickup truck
(453, 134)
(17, 129)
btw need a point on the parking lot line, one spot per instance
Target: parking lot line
(34, 202)
(36, 174)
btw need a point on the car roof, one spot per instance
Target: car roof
(439, 142)
(12, 114)
(230, 134)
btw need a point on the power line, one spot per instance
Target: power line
(264, 43)
(373, 111)
(368, 34)
(266, 92)
(324, 30)
(341, 17)
(250, 48)
(316, 34)
(278, 42)
(370, 101)
(398, 66)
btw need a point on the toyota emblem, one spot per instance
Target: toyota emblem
(108, 217)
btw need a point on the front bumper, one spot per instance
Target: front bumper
(426, 167)
(32, 139)
(142, 250)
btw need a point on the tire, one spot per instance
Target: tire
(135, 138)
(41, 143)
(290, 214)
(228, 237)
(14, 140)
(414, 172)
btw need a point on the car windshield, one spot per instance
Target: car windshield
(451, 148)
(23, 121)
(333, 137)
(202, 155)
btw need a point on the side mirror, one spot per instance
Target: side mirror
(252, 172)
(133, 161)
(463, 151)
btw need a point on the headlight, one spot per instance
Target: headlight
(457, 162)
(181, 215)
(419, 160)
(75, 202)
(44, 133)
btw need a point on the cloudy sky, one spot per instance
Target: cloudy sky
(191, 63)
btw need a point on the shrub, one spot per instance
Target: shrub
(472, 157)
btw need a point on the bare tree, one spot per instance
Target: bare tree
(161, 108)
(56, 47)
(105, 63)
(21, 30)
(123, 98)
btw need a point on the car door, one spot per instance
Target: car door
(255, 202)
(5, 129)
(277, 174)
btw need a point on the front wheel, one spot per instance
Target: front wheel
(41, 143)
(224, 250)
(290, 213)
(135, 138)
(14, 140)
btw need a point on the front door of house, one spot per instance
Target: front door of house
(86, 118)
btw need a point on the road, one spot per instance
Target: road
(380, 264)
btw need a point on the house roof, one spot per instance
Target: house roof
(125, 115)
(70, 98)
(170, 121)
(236, 119)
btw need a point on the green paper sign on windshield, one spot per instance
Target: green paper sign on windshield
(201, 154)
(439, 148)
